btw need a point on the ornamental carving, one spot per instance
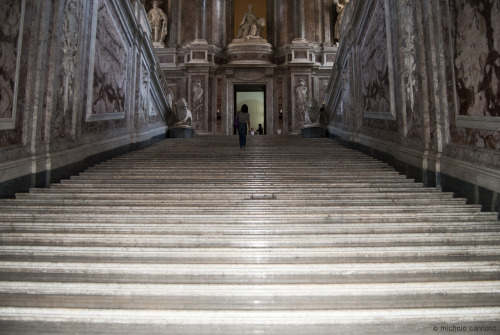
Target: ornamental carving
(70, 39)
(250, 75)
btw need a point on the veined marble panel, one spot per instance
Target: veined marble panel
(109, 63)
(374, 64)
(476, 40)
(11, 23)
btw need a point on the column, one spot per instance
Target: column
(201, 21)
(299, 21)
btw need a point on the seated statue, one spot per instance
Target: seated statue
(184, 115)
(313, 113)
(158, 21)
(251, 26)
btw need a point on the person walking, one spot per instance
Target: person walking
(243, 125)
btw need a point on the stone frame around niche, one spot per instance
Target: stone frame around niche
(90, 115)
(10, 122)
(361, 38)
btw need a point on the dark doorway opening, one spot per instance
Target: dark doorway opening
(254, 96)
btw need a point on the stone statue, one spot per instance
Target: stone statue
(313, 113)
(340, 5)
(158, 21)
(301, 92)
(301, 98)
(184, 115)
(251, 26)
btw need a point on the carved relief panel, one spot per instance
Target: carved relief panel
(144, 104)
(198, 103)
(301, 93)
(374, 74)
(11, 28)
(376, 70)
(408, 55)
(477, 62)
(64, 116)
(198, 100)
(475, 36)
(109, 66)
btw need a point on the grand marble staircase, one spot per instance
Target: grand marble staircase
(290, 236)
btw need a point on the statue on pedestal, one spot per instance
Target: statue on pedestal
(251, 26)
(159, 23)
(249, 47)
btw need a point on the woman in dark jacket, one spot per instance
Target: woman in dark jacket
(244, 122)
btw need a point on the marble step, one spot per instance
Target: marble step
(253, 218)
(314, 239)
(179, 193)
(214, 213)
(248, 297)
(209, 239)
(254, 201)
(264, 255)
(88, 226)
(230, 189)
(397, 271)
(319, 322)
(261, 202)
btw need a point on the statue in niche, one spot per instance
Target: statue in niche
(340, 6)
(301, 96)
(158, 21)
(184, 115)
(251, 26)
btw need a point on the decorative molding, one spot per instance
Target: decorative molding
(479, 122)
(250, 75)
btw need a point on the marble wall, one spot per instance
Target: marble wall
(78, 79)
(476, 65)
(422, 83)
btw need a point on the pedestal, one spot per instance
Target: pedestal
(249, 51)
(314, 131)
(182, 132)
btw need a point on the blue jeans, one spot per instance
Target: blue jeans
(242, 132)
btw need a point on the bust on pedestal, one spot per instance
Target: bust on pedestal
(313, 127)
